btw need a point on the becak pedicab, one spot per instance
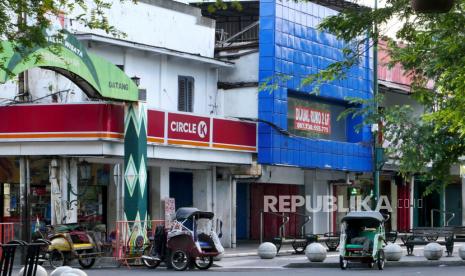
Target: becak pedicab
(190, 242)
(362, 239)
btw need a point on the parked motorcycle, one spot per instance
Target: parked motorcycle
(69, 242)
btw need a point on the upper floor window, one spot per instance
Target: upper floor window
(185, 93)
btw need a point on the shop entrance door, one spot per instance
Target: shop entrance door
(242, 211)
(454, 203)
(271, 222)
(181, 188)
(423, 211)
(403, 207)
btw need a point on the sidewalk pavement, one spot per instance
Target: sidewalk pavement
(292, 260)
(245, 255)
(250, 249)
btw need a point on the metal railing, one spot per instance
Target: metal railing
(239, 36)
(443, 212)
(307, 220)
(131, 238)
(282, 227)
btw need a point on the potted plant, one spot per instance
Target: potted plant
(430, 6)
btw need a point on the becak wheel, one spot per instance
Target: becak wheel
(179, 260)
(203, 263)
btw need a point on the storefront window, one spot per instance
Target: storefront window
(92, 196)
(9, 179)
(39, 196)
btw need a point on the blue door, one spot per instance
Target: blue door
(181, 188)
(242, 211)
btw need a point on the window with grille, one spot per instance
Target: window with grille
(185, 93)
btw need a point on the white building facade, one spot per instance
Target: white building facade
(51, 130)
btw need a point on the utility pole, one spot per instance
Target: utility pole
(377, 154)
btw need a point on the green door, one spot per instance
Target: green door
(454, 203)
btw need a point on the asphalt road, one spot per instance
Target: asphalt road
(407, 271)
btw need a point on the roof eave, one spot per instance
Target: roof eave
(153, 49)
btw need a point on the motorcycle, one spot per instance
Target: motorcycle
(67, 243)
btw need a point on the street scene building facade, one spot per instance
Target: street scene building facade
(190, 153)
(228, 123)
(302, 146)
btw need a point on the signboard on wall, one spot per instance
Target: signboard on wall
(309, 119)
(163, 127)
(315, 118)
(68, 56)
(183, 127)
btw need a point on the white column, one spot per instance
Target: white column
(117, 177)
(73, 181)
(316, 185)
(202, 190)
(159, 190)
(24, 191)
(233, 211)
(309, 193)
(213, 190)
(112, 202)
(64, 179)
(224, 208)
(55, 192)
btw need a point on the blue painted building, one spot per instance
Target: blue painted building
(291, 48)
(303, 149)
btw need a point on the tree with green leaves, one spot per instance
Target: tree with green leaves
(431, 49)
(23, 21)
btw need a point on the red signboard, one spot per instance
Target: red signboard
(156, 131)
(188, 129)
(63, 122)
(237, 135)
(314, 120)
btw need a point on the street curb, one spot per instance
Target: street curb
(251, 254)
(388, 264)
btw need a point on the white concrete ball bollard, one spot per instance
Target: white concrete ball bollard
(60, 270)
(315, 252)
(462, 252)
(40, 271)
(433, 251)
(267, 250)
(392, 252)
(74, 272)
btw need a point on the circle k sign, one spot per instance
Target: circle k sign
(188, 127)
(202, 129)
